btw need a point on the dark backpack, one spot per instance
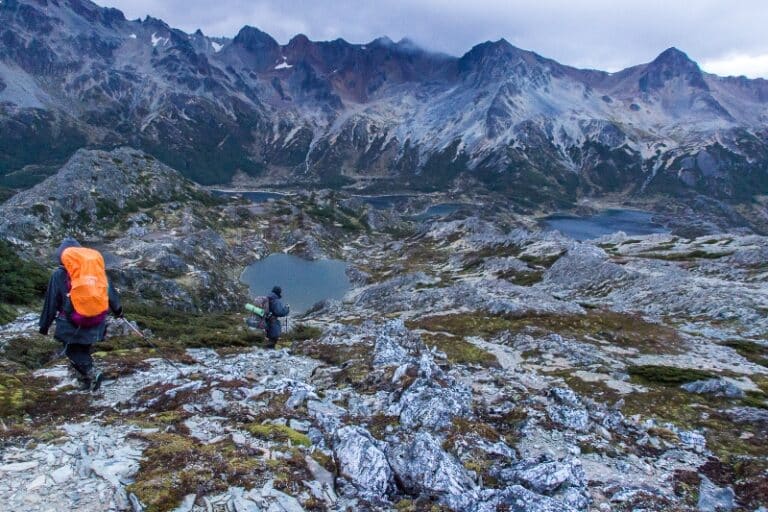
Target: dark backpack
(260, 313)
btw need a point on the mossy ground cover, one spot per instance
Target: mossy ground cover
(355, 361)
(7, 313)
(175, 465)
(460, 351)
(278, 433)
(28, 405)
(187, 329)
(522, 278)
(22, 282)
(624, 330)
(667, 375)
(31, 352)
(686, 256)
(750, 350)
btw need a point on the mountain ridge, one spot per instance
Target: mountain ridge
(380, 115)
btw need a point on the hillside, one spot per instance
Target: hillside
(384, 115)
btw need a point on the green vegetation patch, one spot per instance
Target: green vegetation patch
(175, 327)
(7, 314)
(331, 213)
(460, 351)
(279, 434)
(667, 375)
(753, 352)
(355, 361)
(21, 281)
(686, 256)
(620, 329)
(29, 402)
(174, 466)
(32, 352)
(522, 278)
(380, 424)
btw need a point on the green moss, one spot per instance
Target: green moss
(542, 261)
(14, 398)
(460, 351)
(106, 208)
(302, 332)
(354, 360)
(24, 398)
(755, 399)
(7, 314)
(667, 375)
(685, 256)
(279, 433)
(624, 330)
(185, 329)
(686, 486)
(522, 278)
(750, 350)
(174, 466)
(31, 352)
(21, 281)
(324, 460)
(378, 424)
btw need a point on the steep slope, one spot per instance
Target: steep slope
(384, 114)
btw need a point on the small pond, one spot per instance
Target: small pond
(254, 196)
(304, 282)
(632, 222)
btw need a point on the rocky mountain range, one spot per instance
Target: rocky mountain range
(383, 115)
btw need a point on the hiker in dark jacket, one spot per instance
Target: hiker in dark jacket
(276, 309)
(78, 341)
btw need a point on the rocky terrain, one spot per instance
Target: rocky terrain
(478, 363)
(385, 115)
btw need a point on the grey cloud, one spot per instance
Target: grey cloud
(603, 34)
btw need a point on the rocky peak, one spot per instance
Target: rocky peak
(670, 64)
(254, 40)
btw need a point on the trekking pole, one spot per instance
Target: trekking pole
(134, 329)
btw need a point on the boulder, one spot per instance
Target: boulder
(362, 462)
(716, 387)
(426, 404)
(424, 468)
(567, 410)
(548, 477)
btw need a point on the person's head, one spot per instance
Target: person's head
(65, 244)
(277, 291)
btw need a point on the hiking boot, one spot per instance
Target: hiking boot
(94, 380)
(83, 383)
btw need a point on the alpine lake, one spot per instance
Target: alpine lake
(304, 282)
(631, 222)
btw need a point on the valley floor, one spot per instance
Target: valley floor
(473, 367)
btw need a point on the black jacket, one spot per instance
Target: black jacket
(276, 309)
(66, 331)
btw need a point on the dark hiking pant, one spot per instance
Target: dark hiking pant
(80, 357)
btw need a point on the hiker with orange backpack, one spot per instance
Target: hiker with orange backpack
(79, 298)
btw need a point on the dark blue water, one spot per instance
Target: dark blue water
(632, 222)
(255, 196)
(437, 211)
(304, 282)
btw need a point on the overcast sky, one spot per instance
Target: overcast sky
(726, 37)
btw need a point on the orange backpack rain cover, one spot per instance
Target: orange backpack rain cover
(88, 280)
